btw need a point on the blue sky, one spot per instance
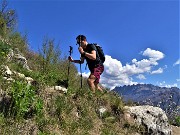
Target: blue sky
(140, 37)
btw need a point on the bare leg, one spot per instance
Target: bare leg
(91, 84)
(98, 87)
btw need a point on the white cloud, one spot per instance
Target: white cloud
(159, 71)
(113, 74)
(164, 84)
(141, 77)
(114, 66)
(137, 67)
(178, 80)
(155, 55)
(177, 62)
(116, 75)
(86, 75)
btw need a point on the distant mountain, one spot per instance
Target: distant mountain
(166, 98)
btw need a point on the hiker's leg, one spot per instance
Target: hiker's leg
(90, 81)
(97, 73)
(98, 87)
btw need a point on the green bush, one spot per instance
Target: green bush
(3, 28)
(23, 98)
(4, 49)
(177, 120)
(19, 41)
(39, 107)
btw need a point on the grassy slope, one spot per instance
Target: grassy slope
(47, 111)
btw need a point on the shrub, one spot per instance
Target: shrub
(24, 100)
(4, 49)
(177, 120)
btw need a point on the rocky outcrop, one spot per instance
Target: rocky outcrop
(152, 118)
(8, 75)
(15, 54)
(167, 99)
(5, 71)
(60, 88)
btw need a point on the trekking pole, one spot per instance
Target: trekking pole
(81, 74)
(70, 52)
(80, 62)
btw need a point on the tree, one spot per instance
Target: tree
(8, 18)
(2, 27)
(50, 54)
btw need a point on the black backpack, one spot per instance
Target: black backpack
(100, 52)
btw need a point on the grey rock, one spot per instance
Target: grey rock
(153, 118)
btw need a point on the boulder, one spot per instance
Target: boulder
(60, 88)
(152, 118)
(101, 111)
(29, 80)
(18, 57)
(10, 55)
(22, 76)
(6, 72)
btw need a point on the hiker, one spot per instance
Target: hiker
(95, 65)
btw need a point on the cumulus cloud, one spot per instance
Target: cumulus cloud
(115, 66)
(153, 54)
(159, 71)
(177, 62)
(115, 74)
(141, 77)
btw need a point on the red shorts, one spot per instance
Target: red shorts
(97, 71)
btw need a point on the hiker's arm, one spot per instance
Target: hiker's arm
(76, 61)
(81, 61)
(91, 55)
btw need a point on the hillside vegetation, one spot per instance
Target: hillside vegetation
(38, 109)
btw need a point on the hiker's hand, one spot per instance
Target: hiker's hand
(70, 58)
(81, 50)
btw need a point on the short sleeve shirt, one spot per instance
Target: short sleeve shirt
(91, 63)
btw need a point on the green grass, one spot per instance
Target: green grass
(51, 112)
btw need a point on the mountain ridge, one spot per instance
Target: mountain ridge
(141, 91)
(167, 99)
